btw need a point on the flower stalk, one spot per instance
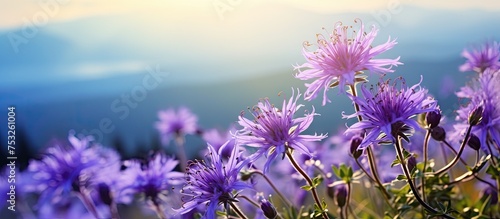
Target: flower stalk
(309, 182)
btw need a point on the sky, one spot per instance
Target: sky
(47, 42)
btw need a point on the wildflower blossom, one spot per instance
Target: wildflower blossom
(176, 124)
(486, 94)
(275, 130)
(340, 56)
(65, 169)
(154, 179)
(213, 182)
(217, 138)
(389, 110)
(111, 178)
(479, 59)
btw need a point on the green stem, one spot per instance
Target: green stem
(374, 169)
(387, 201)
(181, 153)
(457, 158)
(89, 204)
(249, 200)
(158, 210)
(356, 106)
(342, 213)
(454, 151)
(399, 151)
(114, 211)
(237, 211)
(426, 157)
(348, 201)
(309, 181)
(371, 157)
(283, 198)
(365, 171)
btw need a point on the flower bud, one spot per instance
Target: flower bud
(438, 133)
(246, 176)
(104, 193)
(330, 192)
(476, 116)
(412, 163)
(474, 142)
(341, 195)
(355, 142)
(492, 193)
(268, 209)
(433, 118)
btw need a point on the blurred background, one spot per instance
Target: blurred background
(105, 68)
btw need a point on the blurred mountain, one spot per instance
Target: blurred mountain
(48, 113)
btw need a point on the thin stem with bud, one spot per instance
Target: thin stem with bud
(309, 182)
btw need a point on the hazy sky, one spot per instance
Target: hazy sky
(50, 41)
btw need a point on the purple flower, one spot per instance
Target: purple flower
(217, 138)
(64, 169)
(110, 177)
(268, 209)
(479, 59)
(340, 57)
(485, 93)
(176, 124)
(213, 182)
(154, 179)
(274, 130)
(388, 110)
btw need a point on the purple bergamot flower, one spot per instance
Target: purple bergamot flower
(213, 182)
(66, 168)
(388, 110)
(174, 124)
(484, 93)
(275, 130)
(481, 58)
(340, 56)
(154, 179)
(218, 138)
(112, 179)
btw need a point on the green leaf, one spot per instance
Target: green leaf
(317, 181)
(401, 177)
(494, 172)
(306, 187)
(221, 213)
(395, 162)
(406, 154)
(336, 171)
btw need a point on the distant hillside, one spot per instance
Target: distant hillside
(47, 113)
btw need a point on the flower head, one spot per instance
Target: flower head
(213, 182)
(217, 138)
(111, 178)
(268, 209)
(275, 130)
(340, 56)
(176, 124)
(64, 169)
(479, 59)
(484, 94)
(154, 179)
(389, 110)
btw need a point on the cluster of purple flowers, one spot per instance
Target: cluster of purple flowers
(239, 174)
